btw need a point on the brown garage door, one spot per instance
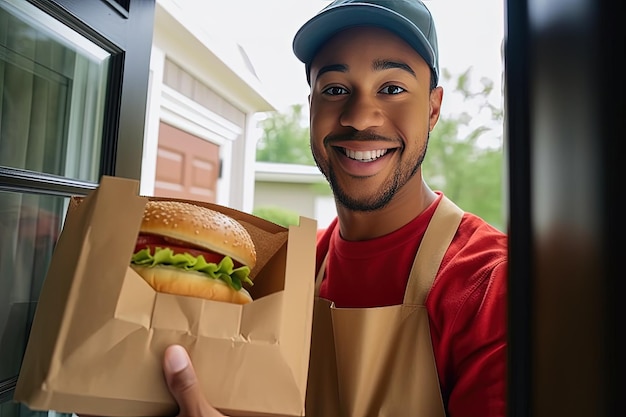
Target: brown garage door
(187, 166)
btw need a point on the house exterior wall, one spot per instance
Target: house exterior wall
(203, 85)
(295, 197)
(191, 87)
(309, 200)
(300, 188)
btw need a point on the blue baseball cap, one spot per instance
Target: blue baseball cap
(409, 19)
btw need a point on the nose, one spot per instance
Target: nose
(361, 112)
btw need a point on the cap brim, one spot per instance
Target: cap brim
(313, 34)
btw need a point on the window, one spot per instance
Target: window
(73, 80)
(53, 86)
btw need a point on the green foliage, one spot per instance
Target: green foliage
(285, 139)
(278, 215)
(458, 163)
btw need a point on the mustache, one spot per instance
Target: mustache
(357, 135)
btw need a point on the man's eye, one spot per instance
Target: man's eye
(335, 91)
(392, 89)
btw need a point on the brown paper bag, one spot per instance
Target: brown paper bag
(97, 340)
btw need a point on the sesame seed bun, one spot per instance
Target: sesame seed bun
(200, 226)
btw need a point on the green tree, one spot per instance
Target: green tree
(285, 138)
(460, 162)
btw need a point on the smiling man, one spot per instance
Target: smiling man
(371, 114)
(410, 308)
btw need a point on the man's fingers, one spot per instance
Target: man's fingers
(183, 384)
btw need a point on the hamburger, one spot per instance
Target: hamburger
(187, 249)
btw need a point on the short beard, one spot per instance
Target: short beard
(380, 199)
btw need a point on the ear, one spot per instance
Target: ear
(436, 96)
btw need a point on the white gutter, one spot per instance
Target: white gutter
(291, 173)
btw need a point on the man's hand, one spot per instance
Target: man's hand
(183, 384)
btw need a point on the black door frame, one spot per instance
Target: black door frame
(564, 82)
(124, 28)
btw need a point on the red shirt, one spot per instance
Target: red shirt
(466, 304)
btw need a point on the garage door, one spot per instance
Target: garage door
(187, 166)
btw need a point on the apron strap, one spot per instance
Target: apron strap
(435, 243)
(320, 276)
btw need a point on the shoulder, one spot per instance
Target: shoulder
(478, 248)
(474, 267)
(476, 236)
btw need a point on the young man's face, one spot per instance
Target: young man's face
(371, 113)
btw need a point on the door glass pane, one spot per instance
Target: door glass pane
(29, 228)
(12, 409)
(52, 88)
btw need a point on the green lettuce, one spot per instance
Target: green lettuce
(224, 271)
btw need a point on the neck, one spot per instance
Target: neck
(407, 204)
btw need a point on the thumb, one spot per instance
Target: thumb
(183, 384)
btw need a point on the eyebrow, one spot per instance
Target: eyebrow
(331, 68)
(377, 65)
(384, 64)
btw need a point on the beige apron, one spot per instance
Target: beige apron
(379, 361)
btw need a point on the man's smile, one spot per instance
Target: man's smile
(365, 156)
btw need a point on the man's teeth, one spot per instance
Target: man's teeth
(365, 156)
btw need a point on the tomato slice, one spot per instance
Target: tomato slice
(152, 242)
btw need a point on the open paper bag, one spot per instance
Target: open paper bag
(99, 333)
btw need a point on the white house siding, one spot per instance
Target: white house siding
(299, 188)
(203, 84)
